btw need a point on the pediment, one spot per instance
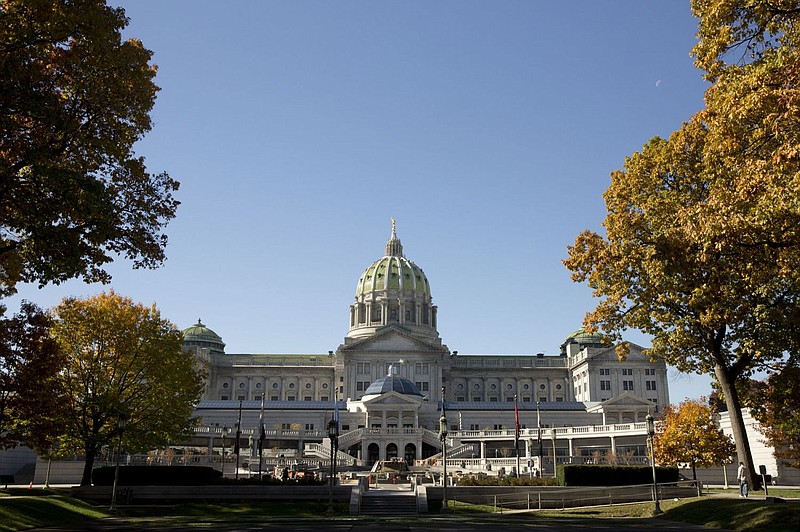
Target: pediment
(392, 338)
(392, 398)
(626, 399)
(610, 354)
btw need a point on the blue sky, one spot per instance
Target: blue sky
(488, 130)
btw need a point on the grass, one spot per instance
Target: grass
(44, 509)
(53, 508)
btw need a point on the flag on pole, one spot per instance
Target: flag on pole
(516, 423)
(336, 410)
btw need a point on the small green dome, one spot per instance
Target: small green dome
(586, 339)
(201, 336)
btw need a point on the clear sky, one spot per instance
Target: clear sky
(488, 130)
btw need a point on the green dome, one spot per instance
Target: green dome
(201, 336)
(586, 339)
(393, 273)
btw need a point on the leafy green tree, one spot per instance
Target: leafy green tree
(122, 358)
(30, 393)
(691, 435)
(776, 406)
(74, 98)
(702, 242)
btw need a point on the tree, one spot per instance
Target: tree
(122, 358)
(74, 98)
(692, 435)
(776, 406)
(702, 241)
(30, 393)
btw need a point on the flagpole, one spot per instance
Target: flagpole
(516, 433)
(238, 447)
(261, 437)
(539, 437)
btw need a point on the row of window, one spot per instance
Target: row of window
(510, 399)
(627, 385)
(275, 398)
(365, 368)
(628, 371)
(509, 386)
(275, 385)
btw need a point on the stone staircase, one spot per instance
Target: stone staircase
(386, 503)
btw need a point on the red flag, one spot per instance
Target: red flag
(516, 422)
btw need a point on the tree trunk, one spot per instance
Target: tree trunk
(91, 453)
(728, 389)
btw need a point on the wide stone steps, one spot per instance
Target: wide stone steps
(388, 503)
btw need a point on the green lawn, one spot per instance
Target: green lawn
(44, 509)
(39, 508)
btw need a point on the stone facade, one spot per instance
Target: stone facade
(392, 329)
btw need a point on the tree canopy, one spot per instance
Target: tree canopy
(30, 392)
(74, 98)
(691, 435)
(775, 403)
(122, 358)
(702, 242)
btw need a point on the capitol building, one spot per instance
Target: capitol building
(392, 374)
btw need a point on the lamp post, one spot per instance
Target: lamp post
(553, 437)
(123, 419)
(333, 436)
(651, 432)
(443, 439)
(225, 430)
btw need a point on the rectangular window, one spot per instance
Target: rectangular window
(605, 386)
(474, 427)
(526, 399)
(509, 399)
(425, 386)
(650, 385)
(324, 398)
(627, 385)
(460, 398)
(345, 427)
(273, 398)
(309, 426)
(290, 398)
(241, 398)
(286, 426)
(306, 398)
(493, 399)
(224, 397)
(359, 386)
(477, 398)
(543, 399)
(559, 399)
(604, 371)
(627, 371)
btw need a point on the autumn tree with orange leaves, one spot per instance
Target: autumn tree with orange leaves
(122, 358)
(702, 234)
(691, 435)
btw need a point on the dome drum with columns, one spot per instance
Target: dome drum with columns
(391, 370)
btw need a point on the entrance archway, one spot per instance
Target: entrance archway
(373, 453)
(391, 451)
(410, 453)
